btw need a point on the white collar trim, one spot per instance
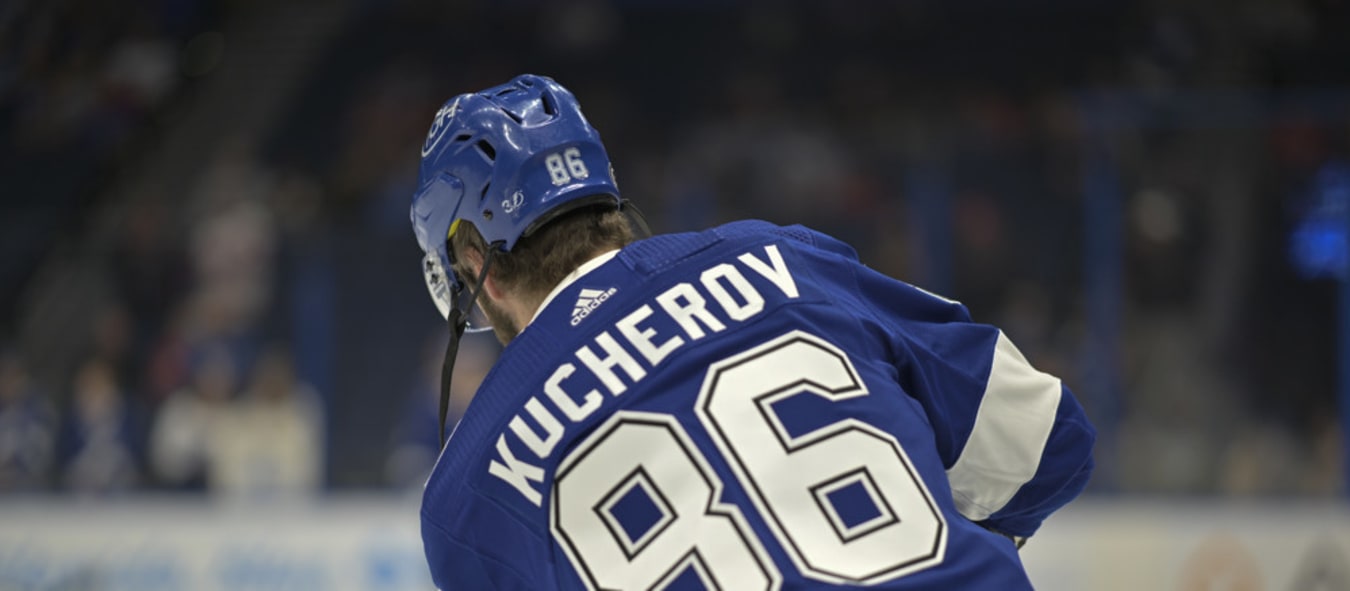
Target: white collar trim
(571, 278)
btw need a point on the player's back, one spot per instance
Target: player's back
(719, 410)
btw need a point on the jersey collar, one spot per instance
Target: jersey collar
(571, 278)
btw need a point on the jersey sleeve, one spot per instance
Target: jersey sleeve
(495, 552)
(1015, 443)
(456, 566)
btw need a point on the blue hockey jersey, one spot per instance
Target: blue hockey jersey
(750, 407)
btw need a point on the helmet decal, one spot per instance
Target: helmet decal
(438, 126)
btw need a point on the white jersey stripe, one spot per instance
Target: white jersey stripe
(1011, 428)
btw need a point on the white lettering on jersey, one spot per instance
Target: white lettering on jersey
(515, 472)
(754, 302)
(695, 307)
(777, 273)
(642, 339)
(553, 389)
(553, 430)
(641, 348)
(604, 368)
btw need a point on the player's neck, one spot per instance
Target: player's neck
(592, 262)
(523, 308)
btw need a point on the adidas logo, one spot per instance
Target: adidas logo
(587, 301)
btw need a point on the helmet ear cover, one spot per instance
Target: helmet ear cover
(432, 210)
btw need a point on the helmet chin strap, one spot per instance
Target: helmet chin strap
(458, 319)
(636, 219)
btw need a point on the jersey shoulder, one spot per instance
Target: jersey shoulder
(662, 252)
(797, 235)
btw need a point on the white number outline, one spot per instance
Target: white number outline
(870, 443)
(756, 494)
(715, 506)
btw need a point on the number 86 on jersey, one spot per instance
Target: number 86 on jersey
(637, 506)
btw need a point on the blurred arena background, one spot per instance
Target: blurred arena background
(218, 361)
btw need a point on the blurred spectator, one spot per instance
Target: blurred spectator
(233, 249)
(27, 429)
(140, 71)
(149, 271)
(170, 362)
(112, 342)
(415, 443)
(185, 428)
(100, 445)
(766, 159)
(269, 444)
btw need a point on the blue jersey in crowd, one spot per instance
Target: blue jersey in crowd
(751, 408)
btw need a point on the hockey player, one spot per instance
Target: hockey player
(747, 407)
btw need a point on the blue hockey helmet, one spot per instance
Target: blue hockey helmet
(508, 159)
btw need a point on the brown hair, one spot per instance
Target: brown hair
(540, 260)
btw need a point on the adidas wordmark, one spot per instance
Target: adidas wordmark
(587, 301)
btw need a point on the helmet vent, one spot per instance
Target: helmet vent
(463, 137)
(549, 108)
(487, 150)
